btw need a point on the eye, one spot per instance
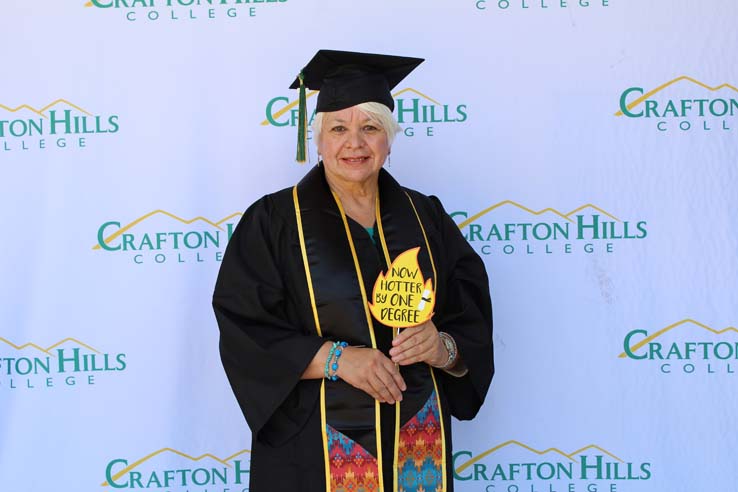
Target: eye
(338, 129)
(371, 128)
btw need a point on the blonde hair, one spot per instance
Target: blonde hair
(377, 112)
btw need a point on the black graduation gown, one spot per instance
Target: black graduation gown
(268, 335)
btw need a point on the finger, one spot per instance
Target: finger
(404, 344)
(399, 380)
(382, 390)
(417, 355)
(377, 374)
(389, 378)
(424, 340)
(394, 370)
(407, 333)
(424, 352)
(411, 354)
(374, 392)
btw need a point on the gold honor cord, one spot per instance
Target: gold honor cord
(324, 435)
(360, 279)
(395, 330)
(323, 423)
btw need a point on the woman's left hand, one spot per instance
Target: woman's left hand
(419, 344)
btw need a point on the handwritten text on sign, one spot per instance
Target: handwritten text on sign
(402, 297)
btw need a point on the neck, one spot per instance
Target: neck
(358, 199)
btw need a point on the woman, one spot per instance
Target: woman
(335, 399)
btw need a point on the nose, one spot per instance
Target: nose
(354, 139)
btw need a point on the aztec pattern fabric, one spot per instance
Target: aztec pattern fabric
(420, 451)
(352, 468)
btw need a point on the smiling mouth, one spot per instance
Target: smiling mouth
(355, 160)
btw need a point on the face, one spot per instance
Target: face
(353, 146)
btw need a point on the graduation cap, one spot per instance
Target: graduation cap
(345, 79)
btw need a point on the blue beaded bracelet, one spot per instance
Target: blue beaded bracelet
(326, 371)
(336, 352)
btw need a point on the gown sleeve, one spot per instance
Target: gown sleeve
(264, 353)
(467, 318)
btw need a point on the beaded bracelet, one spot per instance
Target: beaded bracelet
(336, 351)
(326, 371)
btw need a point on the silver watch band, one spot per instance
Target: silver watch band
(450, 344)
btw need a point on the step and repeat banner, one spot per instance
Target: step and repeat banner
(587, 149)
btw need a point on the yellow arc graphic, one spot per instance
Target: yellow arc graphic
(672, 82)
(410, 89)
(402, 297)
(571, 456)
(49, 348)
(565, 216)
(662, 331)
(41, 111)
(223, 461)
(310, 94)
(123, 229)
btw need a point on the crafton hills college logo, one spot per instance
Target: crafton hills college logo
(513, 466)
(160, 237)
(508, 228)
(418, 113)
(174, 471)
(182, 10)
(683, 104)
(66, 363)
(685, 347)
(59, 124)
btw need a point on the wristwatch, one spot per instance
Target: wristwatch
(450, 345)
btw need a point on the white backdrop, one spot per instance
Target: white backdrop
(133, 133)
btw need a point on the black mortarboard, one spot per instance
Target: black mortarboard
(345, 79)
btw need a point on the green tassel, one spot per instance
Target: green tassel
(302, 124)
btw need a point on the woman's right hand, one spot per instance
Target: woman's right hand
(371, 371)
